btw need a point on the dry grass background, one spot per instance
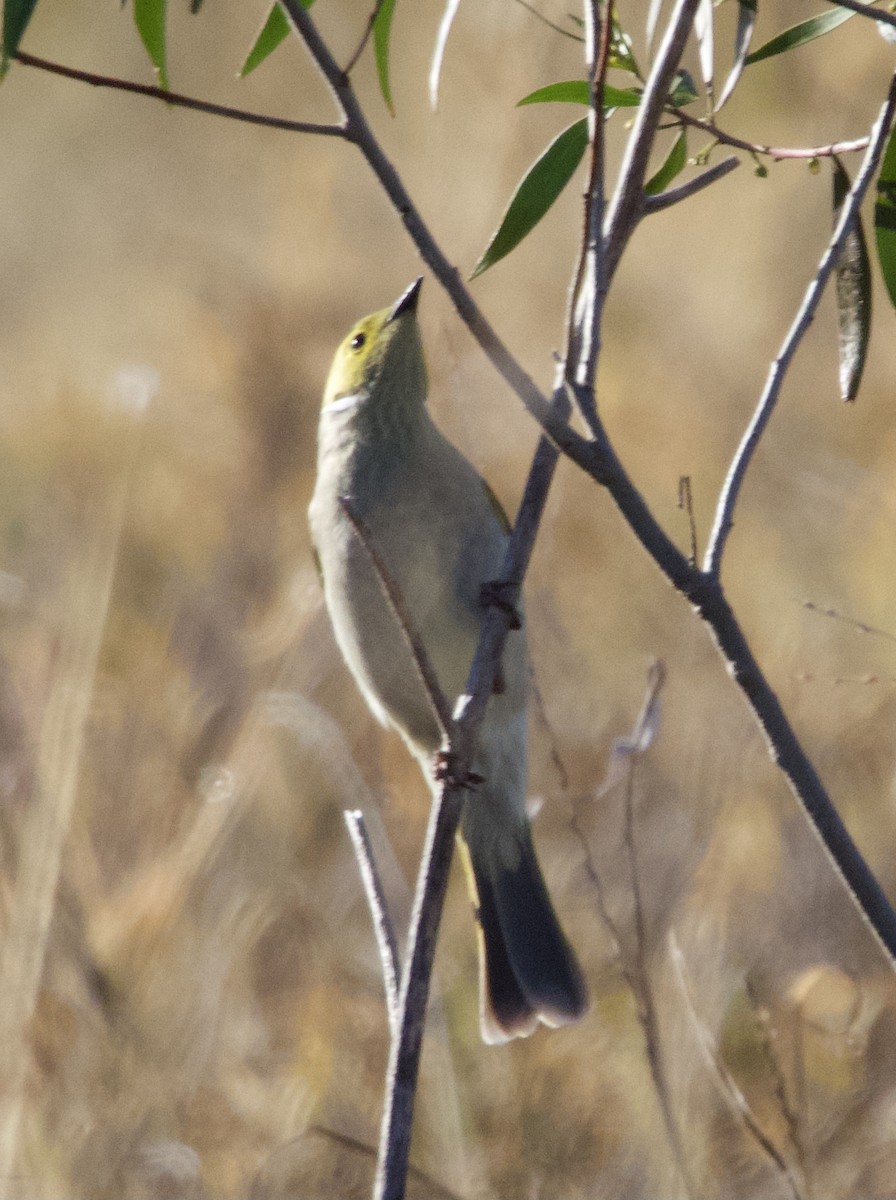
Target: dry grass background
(191, 1003)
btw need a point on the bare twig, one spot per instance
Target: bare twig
(379, 912)
(724, 518)
(550, 24)
(862, 626)
(654, 204)
(686, 503)
(365, 37)
(760, 149)
(724, 1080)
(405, 1050)
(177, 100)
(438, 702)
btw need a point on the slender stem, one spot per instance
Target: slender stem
(404, 1050)
(177, 100)
(706, 125)
(390, 963)
(365, 37)
(654, 204)
(724, 518)
(438, 702)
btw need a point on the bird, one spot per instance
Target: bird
(434, 529)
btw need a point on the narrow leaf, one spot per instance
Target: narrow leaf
(16, 15)
(435, 70)
(536, 192)
(149, 17)
(575, 91)
(706, 50)
(746, 21)
(853, 272)
(683, 90)
(799, 35)
(271, 34)
(382, 26)
(676, 160)
(885, 218)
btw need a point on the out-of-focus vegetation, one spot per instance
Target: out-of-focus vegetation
(191, 1002)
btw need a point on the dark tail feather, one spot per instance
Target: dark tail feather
(529, 972)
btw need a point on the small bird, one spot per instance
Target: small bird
(439, 534)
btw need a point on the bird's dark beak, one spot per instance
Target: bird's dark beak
(407, 301)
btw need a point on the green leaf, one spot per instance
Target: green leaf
(149, 17)
(885, 218)
(16, 15)
(683, 90)
(746, 21)
(271, 34)
(676, 160)
(853, 275)
(575, 91)
(381, 27)
(536, 192)
(799, 35)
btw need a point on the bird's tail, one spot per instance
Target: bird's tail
(528, 972)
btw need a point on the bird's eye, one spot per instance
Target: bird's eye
(358, 341)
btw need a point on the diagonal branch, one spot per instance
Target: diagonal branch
(404, 1056)
(654, 204)
(724, 518)
(177, 99)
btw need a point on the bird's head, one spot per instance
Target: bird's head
(380, 362)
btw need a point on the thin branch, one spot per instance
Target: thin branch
(654, 204)
(724, 518)
(627, 205)
(383, 927)
(725, 1082)
(759, 149)
(862, 626)
(365, 38)
(686, 502)
(404, 1057)
(177, 100)
(438, 702)
(550, 24)
(866, 10)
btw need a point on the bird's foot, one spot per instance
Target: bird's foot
(446, 772)
(501, 594)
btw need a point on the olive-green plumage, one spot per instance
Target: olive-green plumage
(439, 534)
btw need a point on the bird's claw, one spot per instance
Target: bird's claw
(446, 772)
(499, 594)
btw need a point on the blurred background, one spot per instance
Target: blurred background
(192, 1003)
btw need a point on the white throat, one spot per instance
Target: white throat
(344, 403)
